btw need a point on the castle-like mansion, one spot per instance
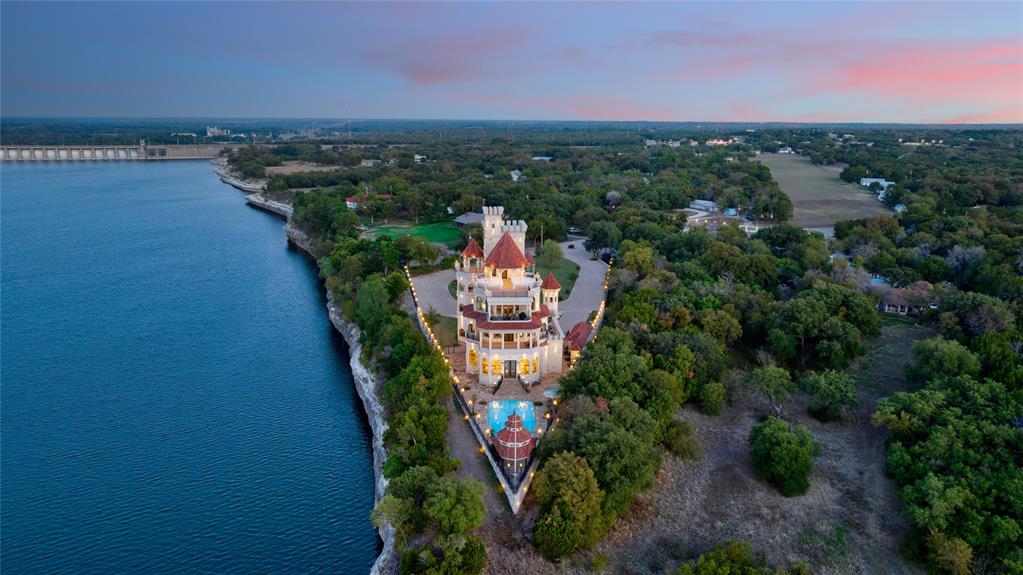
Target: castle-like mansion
(507, 314)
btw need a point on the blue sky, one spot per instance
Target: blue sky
(874, 62)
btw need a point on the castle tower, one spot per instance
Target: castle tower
(493, 227)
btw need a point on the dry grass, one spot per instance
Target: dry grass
(819, 198)
(294, 167)
(848, 522)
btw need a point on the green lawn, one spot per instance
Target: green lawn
(445, 331)
(566, 272)
(440, 233)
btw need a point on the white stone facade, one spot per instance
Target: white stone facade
(507, 315)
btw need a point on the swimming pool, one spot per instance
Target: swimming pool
(552, 393)
(499, 410)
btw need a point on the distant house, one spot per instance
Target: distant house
(543, 158)
(785, 150)
(468, 218)
(418, 158)
(353, 202)
(909, 300)
(720, 142)
(704, 205)
(883, 183)
(516, 175)
(368, 163)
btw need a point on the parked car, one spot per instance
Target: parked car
(575, 230)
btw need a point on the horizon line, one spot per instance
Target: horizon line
(4, 118)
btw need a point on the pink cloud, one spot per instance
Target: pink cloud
(439, 59)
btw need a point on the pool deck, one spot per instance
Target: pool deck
(478, 396)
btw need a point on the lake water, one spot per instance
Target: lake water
(173, 397)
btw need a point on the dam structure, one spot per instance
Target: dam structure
(141, 151)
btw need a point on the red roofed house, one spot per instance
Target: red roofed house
(507, 315)
(513, 443)
(577, 338)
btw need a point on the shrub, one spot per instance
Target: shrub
(783, 454)
(556, 534)
(830, 393)
(451, 554)
(950, 554)
(733, 557)
(677, 437)
(712, 398)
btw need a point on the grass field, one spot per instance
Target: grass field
(440, 233)
(566, 272)
(819, 197)
(445, 331)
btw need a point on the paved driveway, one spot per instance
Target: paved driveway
(587, 292)
(432, 290)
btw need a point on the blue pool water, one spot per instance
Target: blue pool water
(174, 397)
(499, 410)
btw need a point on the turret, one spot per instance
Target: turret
(551, 290)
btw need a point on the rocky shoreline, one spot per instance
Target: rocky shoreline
(367, 383)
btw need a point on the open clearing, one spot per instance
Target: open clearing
(294, 167)
(819, 197)
(848, 522)
(439, 233)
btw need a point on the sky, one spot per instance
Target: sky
(724, 61)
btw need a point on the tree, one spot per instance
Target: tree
(938, 357)
(637, 257)
(550, 255)
(610, 368)
(783, 454)
(602, 236)
(721, 325)
(772, 382)
(712, 397)
(951, 554)
(455, 506)
(830, 392)
(556, 535)
(566, 480)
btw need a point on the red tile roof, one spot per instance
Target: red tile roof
(473, 250)
(483, 323)
(514, 443)
(578, 335)
(506, 254)
(550, 282)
